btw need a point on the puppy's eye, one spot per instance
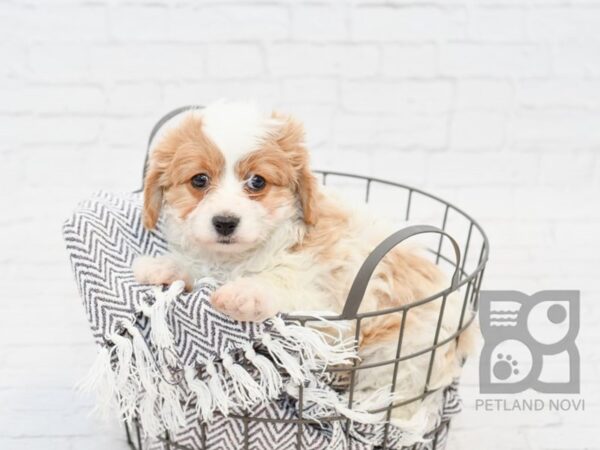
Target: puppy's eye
(256, 183)
(200, 181)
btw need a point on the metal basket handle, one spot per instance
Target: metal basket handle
(361, 281)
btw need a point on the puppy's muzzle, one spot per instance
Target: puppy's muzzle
(225, 225)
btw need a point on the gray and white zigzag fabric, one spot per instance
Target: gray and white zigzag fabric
(227, 433)
(174, 363)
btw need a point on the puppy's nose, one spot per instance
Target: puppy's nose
(225, 225)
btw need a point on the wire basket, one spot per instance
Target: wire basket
(457, 244)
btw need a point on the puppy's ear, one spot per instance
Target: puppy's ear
(156, 180)
(153, 194)
(307, 190)
(290, 139)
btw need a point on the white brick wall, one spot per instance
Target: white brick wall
(494, 104)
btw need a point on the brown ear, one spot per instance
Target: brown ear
(291, 140)
(307, 189)
(153, 195)
(156, 180)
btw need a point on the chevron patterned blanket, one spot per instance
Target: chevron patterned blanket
(169, 361)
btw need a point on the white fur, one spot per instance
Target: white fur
(236, 128)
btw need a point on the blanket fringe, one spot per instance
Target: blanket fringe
(126, 382)
(270, 379)
(146, 370)
(157, 313)
(313, 344)
(248, 391)
(100, 380)
(326, 399)
(160, 406)
(285, 360)
(218, 389)
(128, 371)
(200, 391)
(148, 414)
(171, 411)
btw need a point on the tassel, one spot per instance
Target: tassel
(157, 313)
(283, 359)
(202, 393)
(315, 411)
(147, 374)
(123, 350)
(127, 384)
(148, 415)
(270, 379)
(380, 398)
(308, 341)
(218, 389)
(171, 412)
(247, 390)
(100, 379)
(327, 399)
(98, 373)
(159, 332)
(160, 406)
(146, 370)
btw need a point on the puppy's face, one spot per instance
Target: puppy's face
(228, 176)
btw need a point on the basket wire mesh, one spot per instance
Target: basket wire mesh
(467, 264)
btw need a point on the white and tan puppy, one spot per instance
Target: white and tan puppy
(240, 204)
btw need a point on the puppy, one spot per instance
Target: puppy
(240, 204)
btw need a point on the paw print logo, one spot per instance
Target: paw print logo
(524, 333)
(505, 367)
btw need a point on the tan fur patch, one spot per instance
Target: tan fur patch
(283, 161)
(277, 197)
(402, 277)
(291, 140)
(182, 153)
(270, 162)
(386, 328)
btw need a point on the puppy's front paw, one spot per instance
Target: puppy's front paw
(160, 270)
(244, 300)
